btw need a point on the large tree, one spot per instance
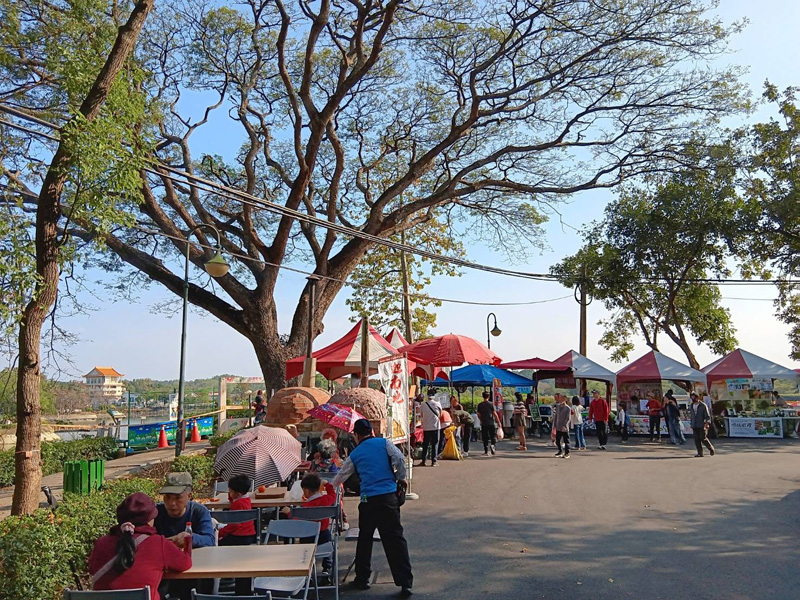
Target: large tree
(651, 257)
(772, 188)
(61, 59)
(381, 115)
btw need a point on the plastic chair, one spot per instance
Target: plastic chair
(133, 594)
(328, 549)
(289, 530)
(222, 486)
(196, 596)
(239, 516)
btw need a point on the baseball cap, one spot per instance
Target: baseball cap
(362, 427)
(177, 483)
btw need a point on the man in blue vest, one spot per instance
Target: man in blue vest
(381, 468)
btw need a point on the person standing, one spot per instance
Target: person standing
(700, 422)
(712, 427)
(674, 421)
(259, 407)
(654, 408)
(431, 411)
(489, 421)
(381, 469)
(576, 422)
(561, 419)
(622, 423)
(467, 423)
(520, 418)
(599, 413)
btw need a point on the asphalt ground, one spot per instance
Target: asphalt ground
(645, 521)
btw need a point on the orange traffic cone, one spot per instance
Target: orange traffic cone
(162, 439)
(195, 432)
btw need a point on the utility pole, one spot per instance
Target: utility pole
(365, 351)
(581, 296)
(406, 297)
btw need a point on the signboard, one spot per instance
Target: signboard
(764, 427)
(394, 379)
(524, 389)
(566, 382)
(147, 435)
(497, 395)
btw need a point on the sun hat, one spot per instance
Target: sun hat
(137, 508)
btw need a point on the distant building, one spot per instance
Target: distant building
(104, 386)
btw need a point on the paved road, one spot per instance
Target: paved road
(643, 521)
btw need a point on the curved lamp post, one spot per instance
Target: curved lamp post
(495, 331)
(216, 267)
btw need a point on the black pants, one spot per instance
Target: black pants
(489, 436)
(655, 426)
(602, 432)
(623, 432)
(465, 436)
(562, 435)
(430, 439)
(382, 513)
(701, 440)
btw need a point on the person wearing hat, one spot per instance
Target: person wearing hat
(381, 468)
(133, 555)
(179, 509)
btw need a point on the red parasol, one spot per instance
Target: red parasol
(450, 351)
(336, 415)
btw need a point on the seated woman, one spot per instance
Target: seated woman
(133, 555)
(326, 458)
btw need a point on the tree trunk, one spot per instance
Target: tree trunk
(27, 457)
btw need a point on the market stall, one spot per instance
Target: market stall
(583, 368)
(480, 375)
(647, 374)
(741, 385)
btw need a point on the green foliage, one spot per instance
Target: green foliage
(8, 394)
(649, 256)
(772, 189)
(218, 439)
(43, 553)
(54, 454)
(201, 466)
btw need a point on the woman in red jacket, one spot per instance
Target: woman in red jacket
(133, 555)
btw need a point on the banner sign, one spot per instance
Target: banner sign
(394, 379)
(566, 383)
(754, 428)
(497, 395)
(524, 389)
(147, 435)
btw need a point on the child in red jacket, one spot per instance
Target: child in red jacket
(133, 555)
(317, 493)
(238, 534)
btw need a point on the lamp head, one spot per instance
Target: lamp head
(496, 330)
(216, 267)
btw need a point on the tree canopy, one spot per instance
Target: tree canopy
(384, 116)
(652, 257)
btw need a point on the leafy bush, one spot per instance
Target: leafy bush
(218, 439)
(200, 466)
(43, 553)
(55, 454)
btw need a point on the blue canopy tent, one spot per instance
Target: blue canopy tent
(480, 375)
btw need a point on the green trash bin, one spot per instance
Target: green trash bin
(84, 476)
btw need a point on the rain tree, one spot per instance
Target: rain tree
(479, 113)
(647, 259)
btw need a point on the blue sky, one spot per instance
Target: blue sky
(139, 343)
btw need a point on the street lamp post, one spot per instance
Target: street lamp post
(495, 331)
(216, 267)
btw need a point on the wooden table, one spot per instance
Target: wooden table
(245, 562)
(224, 503)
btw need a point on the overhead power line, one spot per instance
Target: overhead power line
(203, 184)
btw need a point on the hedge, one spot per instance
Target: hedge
(55, 454)
(201, 466)
(43, 553)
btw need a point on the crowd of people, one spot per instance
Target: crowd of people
(564, 421)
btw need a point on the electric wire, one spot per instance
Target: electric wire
(208, 186)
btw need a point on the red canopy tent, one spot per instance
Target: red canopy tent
(655, 366)
(396, 339)
(343, 357)
(542, 369)
(741, 364)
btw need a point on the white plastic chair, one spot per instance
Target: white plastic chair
(328, 549)
(289, 587)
